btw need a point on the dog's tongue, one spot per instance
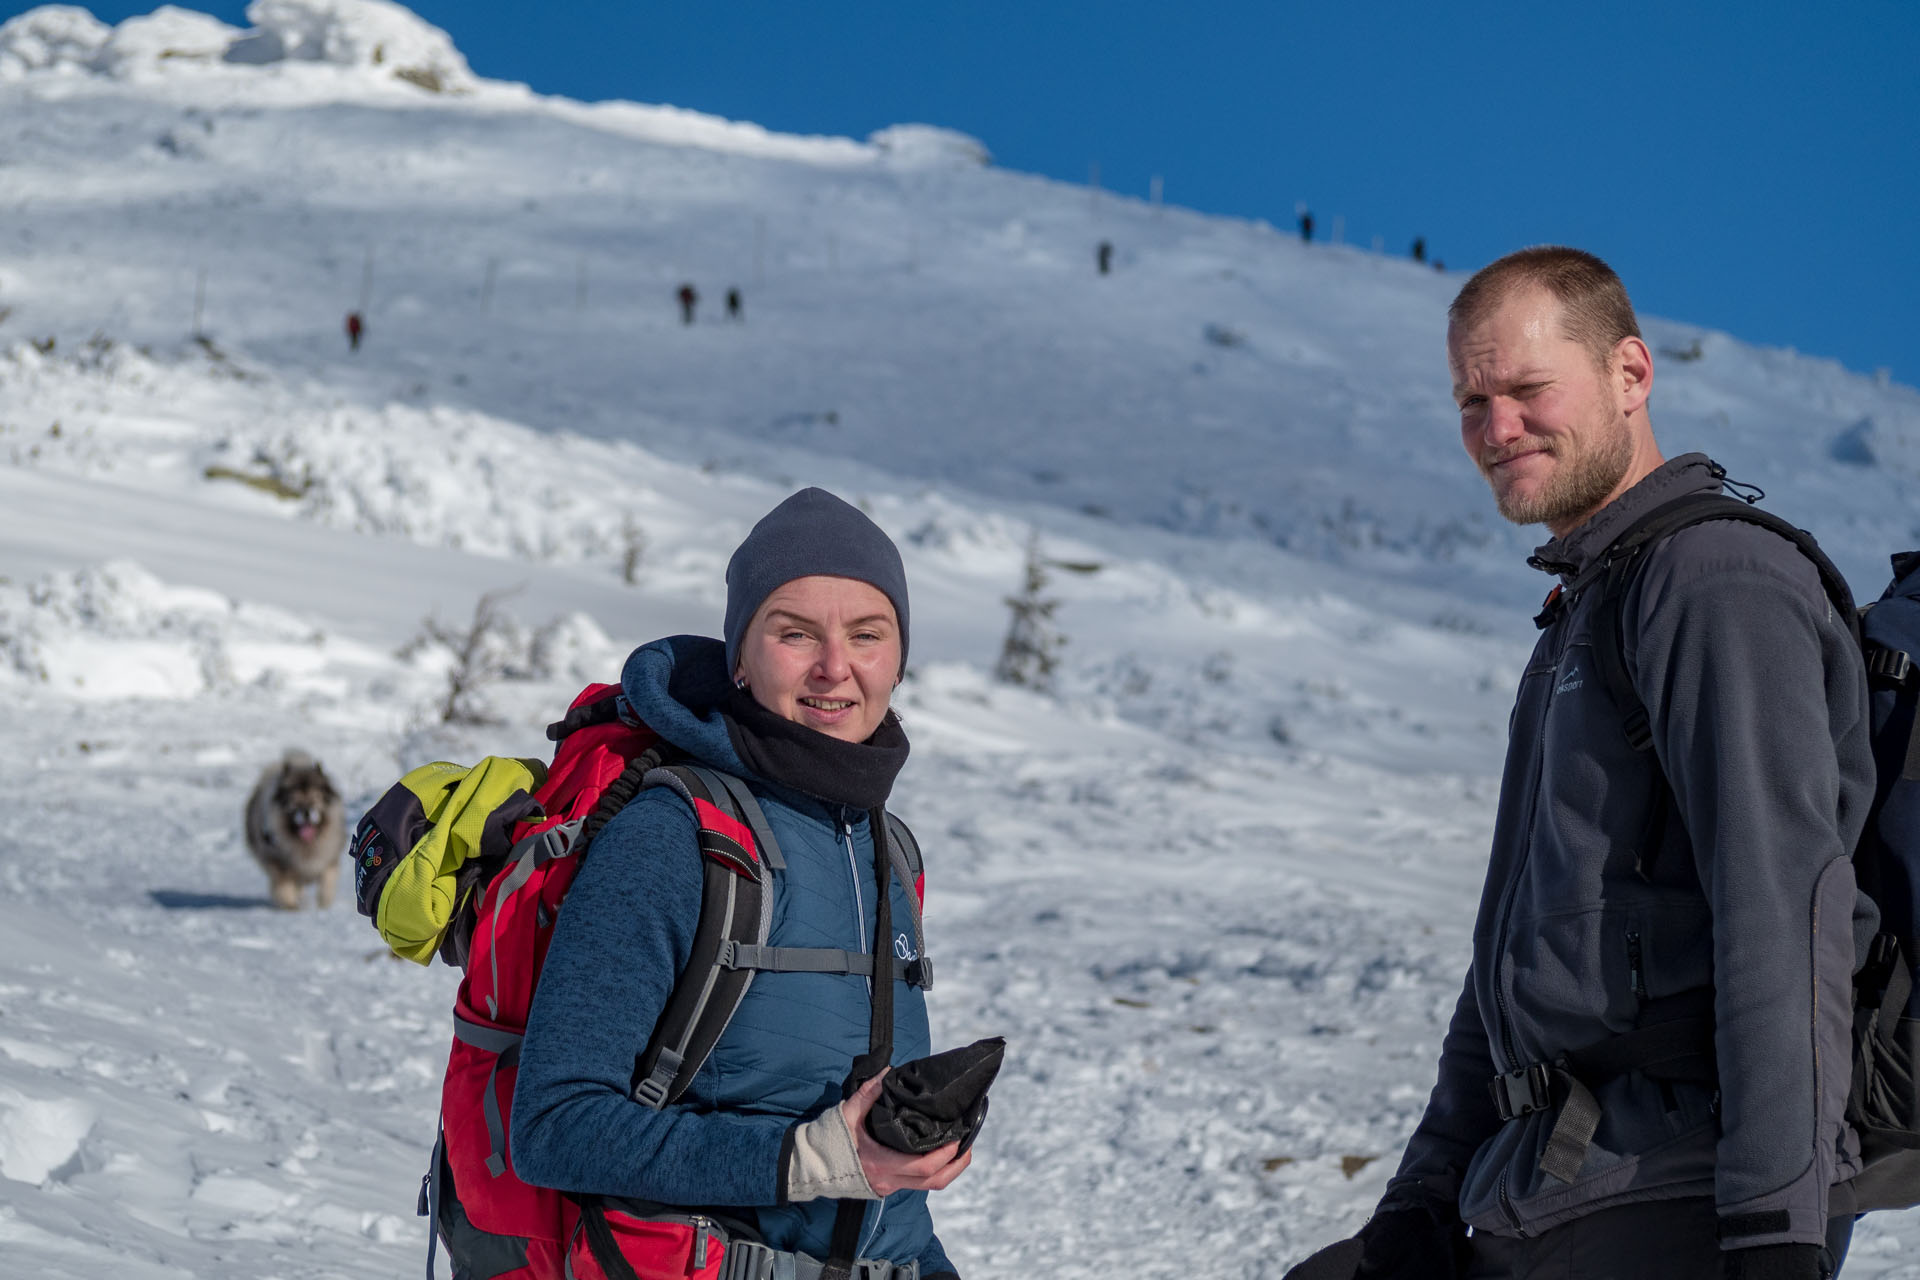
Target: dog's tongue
(306, 833)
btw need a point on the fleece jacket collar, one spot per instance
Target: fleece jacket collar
(1570, 554)
(679, 687)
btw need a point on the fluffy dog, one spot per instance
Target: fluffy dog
(296, 830)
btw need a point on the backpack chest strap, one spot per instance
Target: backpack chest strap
(761, 959)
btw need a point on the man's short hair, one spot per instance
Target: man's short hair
(1595, 311)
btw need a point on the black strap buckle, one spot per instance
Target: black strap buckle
(1889, 667)
(1522, 1092)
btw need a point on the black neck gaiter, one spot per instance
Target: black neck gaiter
(857, 774)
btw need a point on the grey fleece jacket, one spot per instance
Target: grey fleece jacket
(1758, 706)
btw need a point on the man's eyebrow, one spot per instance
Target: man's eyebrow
(1524, 378)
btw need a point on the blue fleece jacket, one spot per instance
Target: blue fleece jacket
(625, 933)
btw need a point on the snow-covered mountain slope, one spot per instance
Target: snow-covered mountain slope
(1215, 887)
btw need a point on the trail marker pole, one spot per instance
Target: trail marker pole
(199, 300)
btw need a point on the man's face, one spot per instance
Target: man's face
(1539, 417)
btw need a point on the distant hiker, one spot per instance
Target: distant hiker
(733, 304)
(355, 328)
(1419, 248)
(1306, 226)
(1646, 1070)
(1439, 265)
(1103, 257)
(793, 706)
(688, 299)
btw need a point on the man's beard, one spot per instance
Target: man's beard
(1584, 474)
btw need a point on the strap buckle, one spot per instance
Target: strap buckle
(747, 1260)
(1889, 667)
(1522, 1092)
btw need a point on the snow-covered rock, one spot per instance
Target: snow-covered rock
(167, 35)
(56, 37)
(926, 146)
(375, 34)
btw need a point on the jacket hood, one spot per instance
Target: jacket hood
(678, 686)
(1570, 554)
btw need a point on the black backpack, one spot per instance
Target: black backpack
(1883, 1104)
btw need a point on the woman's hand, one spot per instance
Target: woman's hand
(887, 1170)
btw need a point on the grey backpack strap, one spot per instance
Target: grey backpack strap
(736, 909)
(904, 851)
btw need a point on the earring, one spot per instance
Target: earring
(739, 682)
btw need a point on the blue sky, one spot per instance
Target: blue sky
(1750, 166)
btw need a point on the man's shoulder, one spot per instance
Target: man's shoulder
(1735, 554)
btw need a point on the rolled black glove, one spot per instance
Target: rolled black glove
(1412, 1244)
(932, 1101)
(1778, 1262)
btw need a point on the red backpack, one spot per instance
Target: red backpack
(495, 1226)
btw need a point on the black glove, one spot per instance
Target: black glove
(1412, 1244)
(1335, 1262)
(932, 1101)
(1778, 1262)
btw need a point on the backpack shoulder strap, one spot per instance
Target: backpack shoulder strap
(1619, 564)
(904, 851)
(736, 908)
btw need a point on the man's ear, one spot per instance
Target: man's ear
(1632, 370)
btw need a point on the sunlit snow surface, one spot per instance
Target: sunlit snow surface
(1215, 890)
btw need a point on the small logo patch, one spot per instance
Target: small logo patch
(903, 947)
(1573, 681)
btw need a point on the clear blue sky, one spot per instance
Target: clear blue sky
(1753, 165)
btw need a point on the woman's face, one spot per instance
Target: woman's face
(824, 652)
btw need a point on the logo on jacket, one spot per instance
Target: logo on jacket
(903, 947)
(1573, 681)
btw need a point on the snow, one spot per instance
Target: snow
(1215, 888)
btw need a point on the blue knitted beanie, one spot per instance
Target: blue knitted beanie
(810, 533)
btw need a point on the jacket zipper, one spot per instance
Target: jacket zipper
(859, 899)
(860, 931)
(1502, 1013)
(1636, 972)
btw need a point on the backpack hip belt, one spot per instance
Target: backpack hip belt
(748, 1261)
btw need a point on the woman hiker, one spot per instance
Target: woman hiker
(794, 702)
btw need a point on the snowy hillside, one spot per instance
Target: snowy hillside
(1215, 887)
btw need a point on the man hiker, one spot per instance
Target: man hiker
(355, 328)
(733, 304)
(1646, 1072)
(688, 298)
(1103, 257)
